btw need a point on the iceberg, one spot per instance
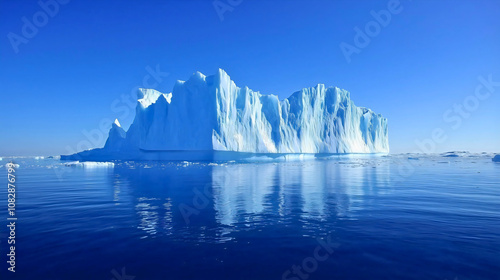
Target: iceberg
(496, 158)
(209, 117)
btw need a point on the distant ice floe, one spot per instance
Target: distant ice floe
(90, 164)
(38, 158)
(496, 158)
(455, 154)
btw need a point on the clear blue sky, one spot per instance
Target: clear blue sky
(428, 58)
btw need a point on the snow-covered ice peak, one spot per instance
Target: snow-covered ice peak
(146, 97)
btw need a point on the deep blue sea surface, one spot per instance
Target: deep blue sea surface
(393, 217)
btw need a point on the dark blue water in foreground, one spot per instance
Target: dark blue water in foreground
(343, 218)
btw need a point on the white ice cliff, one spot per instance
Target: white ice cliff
(206, 115)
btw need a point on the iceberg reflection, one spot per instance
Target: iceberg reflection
(234, 197)
(321, 189)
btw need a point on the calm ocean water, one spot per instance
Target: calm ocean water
(340, 218)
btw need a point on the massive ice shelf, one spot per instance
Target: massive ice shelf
(209, 115)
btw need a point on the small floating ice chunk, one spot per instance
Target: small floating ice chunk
(216, 164)
(186, 163)
(97, 164)
(496, 158)
(37, 158)
(90, 164)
